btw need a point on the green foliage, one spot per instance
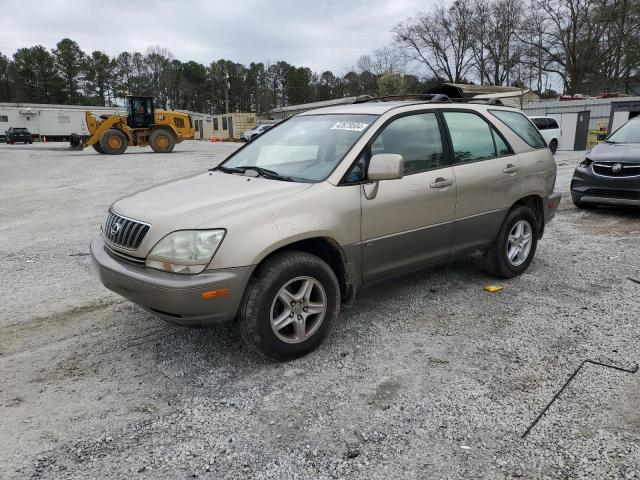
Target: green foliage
(69, 62)
(69, 75)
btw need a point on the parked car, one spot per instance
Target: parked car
(18, 134)
(293, 224)
(610, 173)
(550, 131)
(251, 134)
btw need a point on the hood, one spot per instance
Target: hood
(615, 152)
(203, 201)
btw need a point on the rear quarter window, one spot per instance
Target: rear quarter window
(553, 123)
(521, 126)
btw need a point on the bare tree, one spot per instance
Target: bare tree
(441, 40)
(619, 49)
(570, 35)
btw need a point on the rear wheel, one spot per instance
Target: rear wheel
(515, 245)
(162, 141)
(96, 146)
(289, 306)
(553, 146)
(113, 142)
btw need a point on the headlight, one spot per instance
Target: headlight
(585, 163)
(185, 251)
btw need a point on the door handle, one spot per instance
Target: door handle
(510, 168)
(441, 182)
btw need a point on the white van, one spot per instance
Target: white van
(550, 131)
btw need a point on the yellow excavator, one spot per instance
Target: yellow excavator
(141, 126)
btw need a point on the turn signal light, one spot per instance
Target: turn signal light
(223, 292)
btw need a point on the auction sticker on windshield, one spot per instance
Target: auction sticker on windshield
(353, 126)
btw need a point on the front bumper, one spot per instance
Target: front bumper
(588, 187)
(173, 297)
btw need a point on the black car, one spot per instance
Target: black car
(610, 174)
(18, 134)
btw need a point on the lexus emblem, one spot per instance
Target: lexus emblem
(115, 228)
(616, 168)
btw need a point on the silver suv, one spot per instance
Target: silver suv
(291, 225)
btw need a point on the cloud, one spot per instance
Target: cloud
(324, 35)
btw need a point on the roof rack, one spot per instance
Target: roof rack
(485, 101)
(426, 97)
(431, 98)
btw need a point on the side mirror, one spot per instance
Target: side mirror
(385, 166)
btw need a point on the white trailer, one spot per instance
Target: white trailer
(55, 122)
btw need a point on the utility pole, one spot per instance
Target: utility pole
(226, 91)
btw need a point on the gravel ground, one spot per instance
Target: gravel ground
(427, 376)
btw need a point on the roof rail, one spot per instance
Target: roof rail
(431, 98)
(425, 97)
(485, 101)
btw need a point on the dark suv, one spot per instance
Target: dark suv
(610, 173)
(18, 134)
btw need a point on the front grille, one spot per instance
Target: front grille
(124, 232)
(626, 169)
(123, 256)
(602, 192)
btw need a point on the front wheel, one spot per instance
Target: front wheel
(113, 142)
(289, 306)
(515, 245)
(96, 146)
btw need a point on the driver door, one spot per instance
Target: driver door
(408, 224)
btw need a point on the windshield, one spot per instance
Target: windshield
(628, 133)
(305, 148)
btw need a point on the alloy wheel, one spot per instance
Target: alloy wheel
(298, 309)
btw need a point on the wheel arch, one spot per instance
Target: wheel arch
(331, 252)
(535, 203)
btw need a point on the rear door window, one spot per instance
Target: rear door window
(471, 137)
(553, 123)
(521, 126)
(501, 146)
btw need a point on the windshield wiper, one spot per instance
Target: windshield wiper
(224, 169)
(265, 172)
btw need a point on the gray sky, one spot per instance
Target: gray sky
(323, 35)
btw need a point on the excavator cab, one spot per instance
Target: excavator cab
(140, 112)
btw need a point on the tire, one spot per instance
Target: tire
(262, 302)
(96, 146)
(162, 141)
(30, 142)
(496, 259)
(553, 146)
(74, 140)
(113, 142)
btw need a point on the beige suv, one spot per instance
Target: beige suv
(292, 224)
